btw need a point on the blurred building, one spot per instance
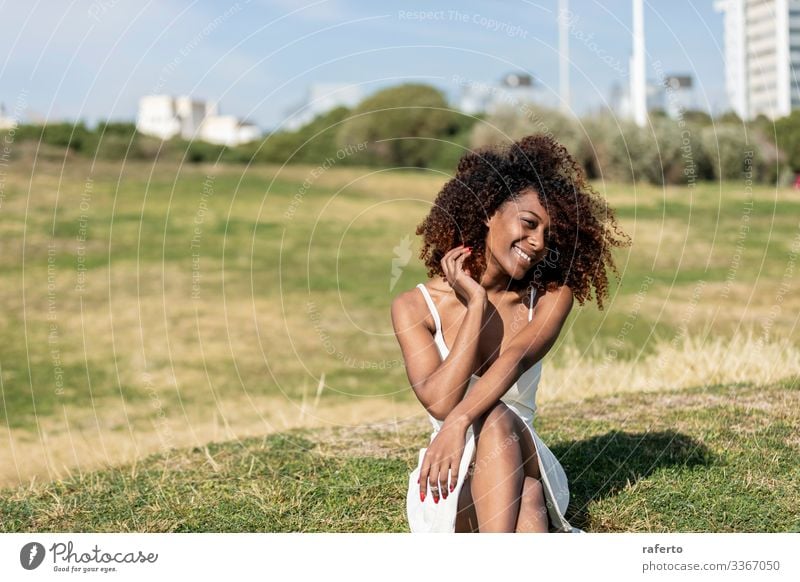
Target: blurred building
(5, 121)
(678, 92)
(673, 95)
(321, 98)
(228, 130)
(638, 93)
(762, 56)
(166, 117)
(513, 89)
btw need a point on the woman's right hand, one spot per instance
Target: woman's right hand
(460, 280)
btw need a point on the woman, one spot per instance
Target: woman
(511, 240)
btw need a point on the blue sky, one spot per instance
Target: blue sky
(92, 60)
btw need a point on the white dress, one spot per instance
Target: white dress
(427, 516)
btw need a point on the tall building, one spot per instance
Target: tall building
(638, 79)
(762, 56)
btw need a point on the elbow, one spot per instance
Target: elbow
(435, 405)
(438, 412)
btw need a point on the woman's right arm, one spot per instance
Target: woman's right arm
(439, 385)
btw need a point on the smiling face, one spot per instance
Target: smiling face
(517, 235)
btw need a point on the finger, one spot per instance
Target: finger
(448, 274)
(449, 263)
(453, 478)
(433, 481)
(443, 480)
(423, 479)
(454, 253)
(444, 476)
(459, 263)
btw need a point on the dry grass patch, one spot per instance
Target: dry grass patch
(690, 361)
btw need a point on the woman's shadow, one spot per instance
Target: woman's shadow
(603, 465)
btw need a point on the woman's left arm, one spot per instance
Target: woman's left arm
(526, 348)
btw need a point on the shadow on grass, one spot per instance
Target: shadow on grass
(601, 466)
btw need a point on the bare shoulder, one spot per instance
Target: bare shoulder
(558, 300)
(408, 309)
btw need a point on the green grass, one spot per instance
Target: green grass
(715, 459)
(247, 346)
(335, 250)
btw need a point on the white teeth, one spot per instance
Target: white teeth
(521, 254)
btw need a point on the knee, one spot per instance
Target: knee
(498, 421)
(532, 491)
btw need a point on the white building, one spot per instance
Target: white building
(324, 97)
(513, 89)
(166, 117)
(678, 95)
(5, 121)
(762, 56)
(228, 130)
(637, 90)
(672, 94)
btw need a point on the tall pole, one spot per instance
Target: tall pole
(563, 54)
(638, 89)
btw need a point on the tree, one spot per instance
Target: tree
(787, 132)
(401, 126)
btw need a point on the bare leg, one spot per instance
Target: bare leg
(533, 511)
(499, 474)
(466, 518)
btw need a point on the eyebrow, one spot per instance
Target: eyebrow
(532, 212)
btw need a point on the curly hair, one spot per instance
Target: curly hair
(583, 229)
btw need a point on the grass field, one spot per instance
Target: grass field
(716, 459)
(153, 307)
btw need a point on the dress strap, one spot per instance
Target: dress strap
(431, 306)
(530, 308)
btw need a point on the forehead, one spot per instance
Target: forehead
(527, 200)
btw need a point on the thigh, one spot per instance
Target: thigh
(530, 458)
(504, 423)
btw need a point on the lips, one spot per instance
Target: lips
(523, 256)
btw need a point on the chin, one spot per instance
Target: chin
(517, 273)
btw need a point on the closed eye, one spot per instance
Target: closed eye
(531, 224)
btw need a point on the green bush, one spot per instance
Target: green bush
(401, 126)
(412, 125)
(513, 122)
(787, 133)
(728, 151)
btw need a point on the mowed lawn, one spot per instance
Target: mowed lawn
(148, 307)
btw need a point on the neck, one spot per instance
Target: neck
(495, 280)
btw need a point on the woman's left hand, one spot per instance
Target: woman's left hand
(443, 455)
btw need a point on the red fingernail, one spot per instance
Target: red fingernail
(421, 496)
(436, 500)
(452, 487)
